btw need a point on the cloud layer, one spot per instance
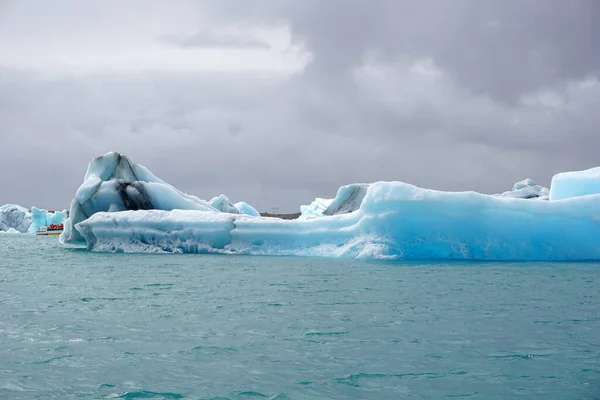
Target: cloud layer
(277, 102)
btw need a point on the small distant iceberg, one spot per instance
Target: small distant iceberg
(14, 218)
(123, 207)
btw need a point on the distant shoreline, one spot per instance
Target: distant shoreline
(281, 216)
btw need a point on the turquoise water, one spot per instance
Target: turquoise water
(75, 324)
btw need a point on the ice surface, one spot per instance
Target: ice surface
(527, 189)
(113, 182)
(315, 209)
(574, 184)
(247, 209)
(15, 217)
(395, 220)
(222, 203)
(41, 217)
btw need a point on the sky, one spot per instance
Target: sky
(276, 102)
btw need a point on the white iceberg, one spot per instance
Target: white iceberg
(115, 183)
(14, 217)
(378, 220)
(574, 184)
(527, 189)
(10, 231)
(315, 209)
(222, 203)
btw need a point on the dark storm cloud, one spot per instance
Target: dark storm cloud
(450, 95)
(502, 48)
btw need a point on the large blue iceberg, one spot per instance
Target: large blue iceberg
(378, 220)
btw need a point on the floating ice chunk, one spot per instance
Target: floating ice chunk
(527, 189)
(315, 209)
(574, 184)
(395, 220)
(113, 182)
(10, 230)
(222, 203)
(41, 217)
(15, 217)
(245, 208)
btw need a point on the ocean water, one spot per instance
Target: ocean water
(75, 324)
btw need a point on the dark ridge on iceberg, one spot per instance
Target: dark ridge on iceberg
(134, 195)
(348, 199)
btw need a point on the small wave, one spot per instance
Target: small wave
(144, 394)
(524, 356)
(252, 394)
(326, 333)
(353, 379)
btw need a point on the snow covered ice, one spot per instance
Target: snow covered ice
(527, 189)
(377, 220)
(315, 209)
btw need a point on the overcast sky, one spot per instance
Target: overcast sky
(276, 102)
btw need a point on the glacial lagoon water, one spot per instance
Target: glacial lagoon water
(75, 324)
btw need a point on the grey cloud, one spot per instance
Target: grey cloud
(499, 48)
(281, 142)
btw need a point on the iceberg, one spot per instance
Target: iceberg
(245, 208)
(380, 220)
(10, 231)
(574, 184)
(14, 217)
(527, 189)
(347, 200)
(23, 220)
(112, 183)
(314, 209)
(222, 203)
(395, 220)
(41, 217)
